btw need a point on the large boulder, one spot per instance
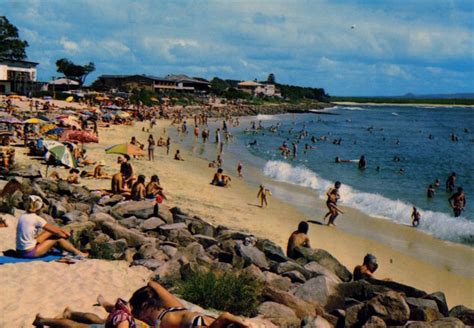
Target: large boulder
(198, 226)
(281, 268)
(116, 231)
(390, 306)
(417, 324)
(409, 291)
(463, 313)
(151, 224)
(252, 255)
(169, 272)
(361, 290)
(74, 216)
(110, 200)
(323, 290)
(317, 269)
(318, 322)
(354, 315)
(279, 314)
(450, 322)
(295, 276)
(440, 300)
(277, 281)
(142, 209)
(302, 308)
(195, 252)
(326, 260)
(181, 237)
(423, 309)
(205, 241)
(271, 250)
(374, 322)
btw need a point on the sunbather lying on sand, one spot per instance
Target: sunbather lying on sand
(150, 306)
(97, 173)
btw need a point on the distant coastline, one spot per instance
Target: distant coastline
(399, 104)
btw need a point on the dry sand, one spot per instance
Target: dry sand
(49, 287)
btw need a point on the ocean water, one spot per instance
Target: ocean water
(380, 133)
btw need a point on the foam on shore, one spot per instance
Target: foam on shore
(437, 224)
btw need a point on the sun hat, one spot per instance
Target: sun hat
(36, 203)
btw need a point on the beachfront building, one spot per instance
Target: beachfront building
(18, 76)
(181, 83)
(256, 88)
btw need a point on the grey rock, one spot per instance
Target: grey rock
(232, 234)
(425, 314)
(281, 268)
(111, 200)
(374, 322)
(421, 303)
(197, 226)
(301, 307)
(116, 231)
(141, 209)
(295, 276)
(206, 241)
(169, 271)
(440, 300)
(165, 214)
(279, 314)
(191, 268)
(272, 250)
(323, 290)
(463, 313)
(131, 222)
(390, 306)
(318, 322)
(151, 224)
(255, 273)
(277, 281)
(57, 209)
(361, 290)
(181, 237)
(352, 315)
(170, 251)
(417, 324)
(409, 291)
(450, 322)
(195, 252)
(82, 207)
(317, 269)
(325, 259)
(174, 226)
(151, 264)
(252, 255)
(74, 216)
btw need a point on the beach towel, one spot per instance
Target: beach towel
(9, 259)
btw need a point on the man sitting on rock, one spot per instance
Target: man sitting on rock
(367, 269)
(298, 238)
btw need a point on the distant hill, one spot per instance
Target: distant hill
(436, 96)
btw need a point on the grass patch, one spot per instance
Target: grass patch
(238, 294)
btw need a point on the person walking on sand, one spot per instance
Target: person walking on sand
(168, 145)
(416, 217)
(30, 244)
(332, 198)
(458, 202)
(262, 194)
(239, 170)
(151, 148)
(298, 238)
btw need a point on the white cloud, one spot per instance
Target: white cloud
(68, 45)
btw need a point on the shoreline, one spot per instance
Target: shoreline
(440, 265)
(351, 103)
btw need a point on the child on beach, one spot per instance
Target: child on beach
(239, 170)
(416, 217)
(262, 194)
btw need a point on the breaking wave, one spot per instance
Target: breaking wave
(437, 224)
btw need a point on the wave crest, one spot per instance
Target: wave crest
(437, 224)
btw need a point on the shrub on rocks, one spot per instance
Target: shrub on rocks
(238, 294)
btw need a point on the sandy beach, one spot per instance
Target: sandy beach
(53, 286)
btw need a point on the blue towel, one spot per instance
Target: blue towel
(9, 259)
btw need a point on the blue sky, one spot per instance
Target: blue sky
(395, 47)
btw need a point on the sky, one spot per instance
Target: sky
(349, 48)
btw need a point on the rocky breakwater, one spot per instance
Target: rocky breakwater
(313, 291)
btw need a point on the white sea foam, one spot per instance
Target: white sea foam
(437, 224)
(263, 117)
(354, 108)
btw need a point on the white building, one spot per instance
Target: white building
(17, 76)
(257, 88)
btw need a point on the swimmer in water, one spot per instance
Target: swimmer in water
(430, 192)
(362, 163)
(451, 182)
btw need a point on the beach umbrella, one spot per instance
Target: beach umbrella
(14, 96)
(70, 122)
(125, 149)
(113, 107)
(80, 136)
(122, 114)
(44, 118)
(54, 131)
(46, 127)
(60, 152)
(70, 99)
(34, 120)
(48, 98)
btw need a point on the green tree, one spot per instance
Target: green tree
(73, 71)
(11, 46)
(219, 86)
(271, 78)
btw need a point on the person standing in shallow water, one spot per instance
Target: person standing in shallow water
(362, 163)
(458, 202)
(451, 182)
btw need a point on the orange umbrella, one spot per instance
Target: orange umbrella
(125, 149)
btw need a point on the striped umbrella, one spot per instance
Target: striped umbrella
(60, 152)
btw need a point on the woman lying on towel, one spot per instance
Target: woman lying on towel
(30, 244)
(150, 306)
